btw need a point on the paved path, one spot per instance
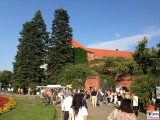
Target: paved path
(101, 113)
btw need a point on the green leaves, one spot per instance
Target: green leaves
(60, 52)
(144, 85)
(31, 53)
(80, 56)
(5, 77)
(144, 56)
(74, 74)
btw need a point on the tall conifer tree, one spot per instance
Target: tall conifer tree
(44, 35)
(60, 49)
(31, 53)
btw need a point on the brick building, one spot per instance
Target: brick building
(93, 54)
(93, 82)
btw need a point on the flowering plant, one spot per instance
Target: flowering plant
(6, 104)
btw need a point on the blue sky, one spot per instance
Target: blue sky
(105, 24)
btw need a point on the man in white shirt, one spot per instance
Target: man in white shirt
(66, 105)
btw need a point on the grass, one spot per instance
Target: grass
(30, 109)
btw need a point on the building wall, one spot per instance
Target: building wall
(90, 56)
(91, 82)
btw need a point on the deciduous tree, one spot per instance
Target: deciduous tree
(5, 77)
(75, 74)
(141, 55)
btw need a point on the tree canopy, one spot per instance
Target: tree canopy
(31, 53)
(75, 74)
(145, 57)
(60, 44)
(5, 77)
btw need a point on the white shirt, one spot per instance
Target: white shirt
(67, 103)
(101, 93)
(80, 116)
(121, 92)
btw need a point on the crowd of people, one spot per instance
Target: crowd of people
(107, 97)
(74, 102)
(75, 106)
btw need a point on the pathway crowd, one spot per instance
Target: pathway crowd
(74, 102)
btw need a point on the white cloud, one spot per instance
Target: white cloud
(127, 42)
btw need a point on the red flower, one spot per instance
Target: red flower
(3, 100)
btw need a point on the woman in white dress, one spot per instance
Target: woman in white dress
(77, 111)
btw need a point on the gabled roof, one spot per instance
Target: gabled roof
(78, 45)
(101, 53)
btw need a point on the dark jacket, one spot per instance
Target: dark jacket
(94, 93)
(84, 103)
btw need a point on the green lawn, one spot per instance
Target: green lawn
(32, 110)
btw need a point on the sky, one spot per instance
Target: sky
(103, 24)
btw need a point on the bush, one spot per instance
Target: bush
(144, 85)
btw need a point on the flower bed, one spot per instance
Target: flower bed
(6, 104)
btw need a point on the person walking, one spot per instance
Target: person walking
(100, 97)
(77, 111)
(109, 97)
(90, 94)
(66, 104)
(119, 99)
(19, 90)
(125, 112)
(115, 97)
(84, 102)
(94, 98)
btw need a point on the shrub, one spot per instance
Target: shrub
(6, 104)
(144, 85)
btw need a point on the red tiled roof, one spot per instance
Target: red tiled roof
(78, 45)
(101, 53)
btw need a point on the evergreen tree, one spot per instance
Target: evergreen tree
(60, 44)
(28, 61)
(44, 35)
